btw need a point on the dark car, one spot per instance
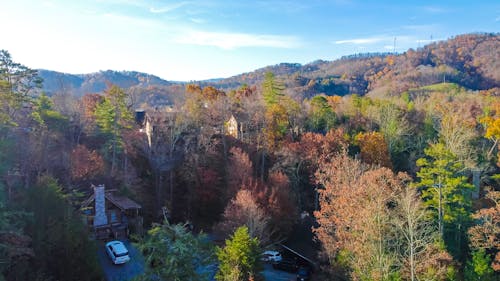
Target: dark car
(303, 273)
(286, 265)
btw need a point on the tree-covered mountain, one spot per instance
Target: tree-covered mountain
(80, 84)
(146, 88)
(470, 60)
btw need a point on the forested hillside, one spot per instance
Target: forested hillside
(395, 158)
(470, 60)
(56, 82)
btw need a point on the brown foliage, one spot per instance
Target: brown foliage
(239, 170)
(486, 234)
(336, 210)
(88, 106)
(244, 210)
(209, 180)
(435, 264)
(273, 197)
(193, 89)
(357, 218)
(85, 164)
(245, 92)
(90, 101)
(211, 93)
(300, 160)
(314, 148)
(280, 204)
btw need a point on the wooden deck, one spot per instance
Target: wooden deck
(111, 231)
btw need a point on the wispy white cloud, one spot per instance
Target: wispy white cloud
(362, 41)
(168, 8)
(228, 41)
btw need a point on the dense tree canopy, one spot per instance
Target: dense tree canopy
(377, 147)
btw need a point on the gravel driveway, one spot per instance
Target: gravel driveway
(123, 272)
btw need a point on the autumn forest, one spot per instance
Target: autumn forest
(392, 158)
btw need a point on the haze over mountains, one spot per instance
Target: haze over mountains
(471, 61)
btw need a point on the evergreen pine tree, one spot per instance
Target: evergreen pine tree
(240, 258)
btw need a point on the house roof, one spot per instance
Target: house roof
(122, 202)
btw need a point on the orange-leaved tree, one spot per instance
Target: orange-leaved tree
(85, 164)
(485, 234)
(374, 149)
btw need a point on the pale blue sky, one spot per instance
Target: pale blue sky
(194, 40)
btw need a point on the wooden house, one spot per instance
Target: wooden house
(110, 215)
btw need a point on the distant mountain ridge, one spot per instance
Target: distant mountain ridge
(79, 84)
(471, 61)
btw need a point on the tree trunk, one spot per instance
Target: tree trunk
(158, 189)
(440, 209)
(412, 257)
(113, 156)
(262, 165)
(171, 183)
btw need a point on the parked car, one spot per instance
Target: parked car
(271, 256)
(286, 265)
(303, 273)
(117, 252)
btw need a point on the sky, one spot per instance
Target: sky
(204, 39)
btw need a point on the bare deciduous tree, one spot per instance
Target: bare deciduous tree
(414, 230)
(244, 210)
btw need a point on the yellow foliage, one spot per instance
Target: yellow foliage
(492, 122)
(334, 101)
(390, 60)
(374, 149)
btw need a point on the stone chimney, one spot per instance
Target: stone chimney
(100, 206)
(140, 117)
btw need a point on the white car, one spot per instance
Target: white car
(117, 252)
(271, 256)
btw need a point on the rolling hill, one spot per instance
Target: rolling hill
(471, 61)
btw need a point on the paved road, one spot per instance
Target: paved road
(135, 266)
(123, 272)
(271, 274)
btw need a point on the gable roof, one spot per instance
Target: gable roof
(122, 202)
